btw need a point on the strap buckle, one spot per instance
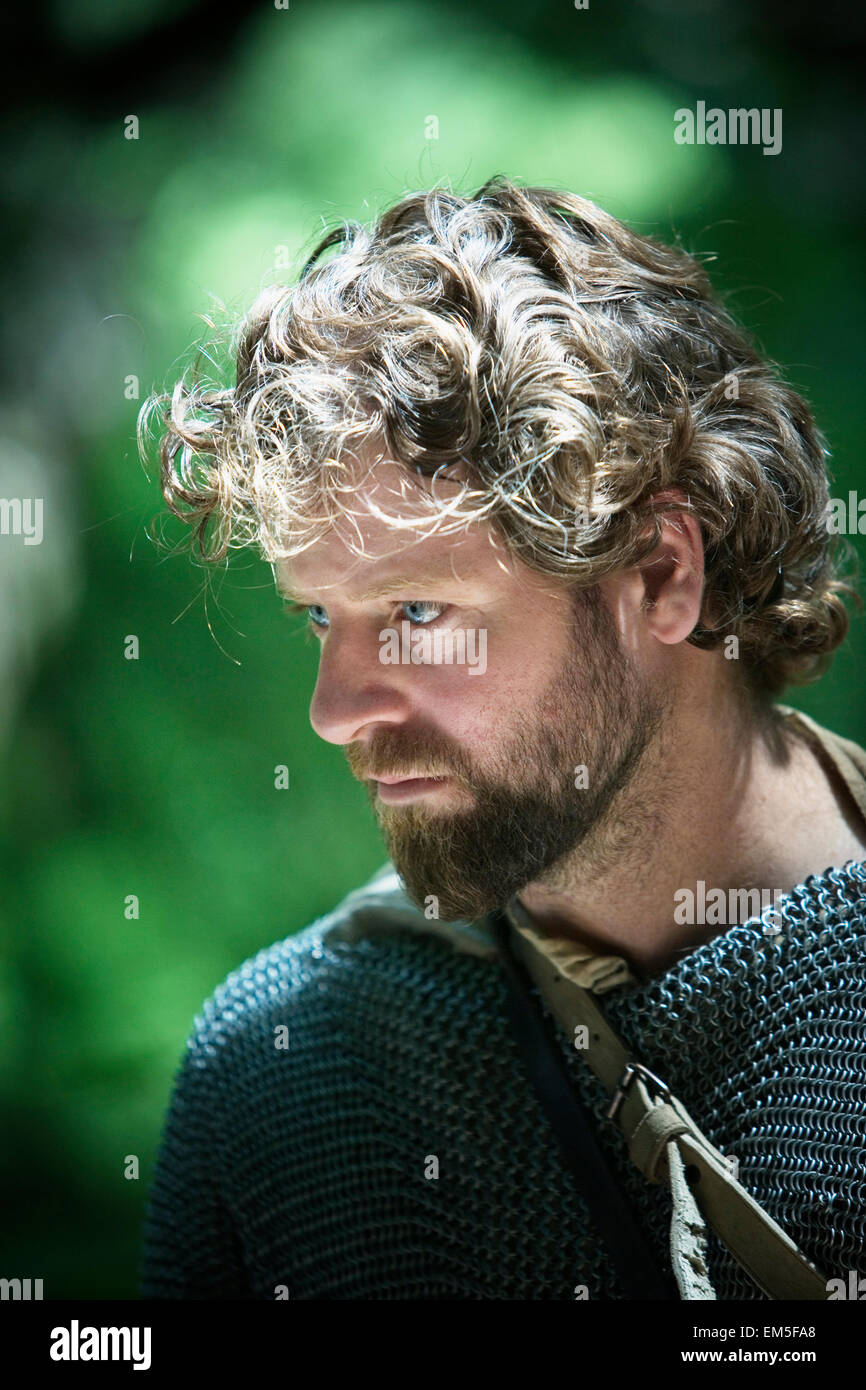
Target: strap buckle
(654, 1084)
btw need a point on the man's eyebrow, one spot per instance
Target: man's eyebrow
(387, 588)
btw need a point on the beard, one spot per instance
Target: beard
(551, 792)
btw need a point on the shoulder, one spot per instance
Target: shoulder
(831, 791)
(374, 943)
(843, 753)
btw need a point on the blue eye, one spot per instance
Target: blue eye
(423, 603)
(318, 617)
(317, 622)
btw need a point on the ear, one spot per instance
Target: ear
(673, 575)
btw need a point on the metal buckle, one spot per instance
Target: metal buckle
(633, 1069)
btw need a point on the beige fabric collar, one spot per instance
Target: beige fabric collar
(590, 969)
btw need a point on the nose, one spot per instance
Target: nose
(355, 689)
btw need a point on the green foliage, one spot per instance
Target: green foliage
(154, 777)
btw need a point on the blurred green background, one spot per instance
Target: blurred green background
(154, 776)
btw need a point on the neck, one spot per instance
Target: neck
(723, 796)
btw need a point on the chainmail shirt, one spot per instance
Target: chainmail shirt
(309, 1166)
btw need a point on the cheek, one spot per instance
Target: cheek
(499, 678)
(484, 708)
(462, 703)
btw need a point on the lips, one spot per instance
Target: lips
(394, 791)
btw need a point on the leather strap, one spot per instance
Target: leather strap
(663, 1138)
(608, 1204)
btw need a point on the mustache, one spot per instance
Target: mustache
(420, 760)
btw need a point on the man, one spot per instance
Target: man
(508, 423)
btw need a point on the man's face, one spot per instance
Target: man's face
(528, 752)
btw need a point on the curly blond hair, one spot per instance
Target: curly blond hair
(572, 368)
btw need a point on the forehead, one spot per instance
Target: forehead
(389, 534)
